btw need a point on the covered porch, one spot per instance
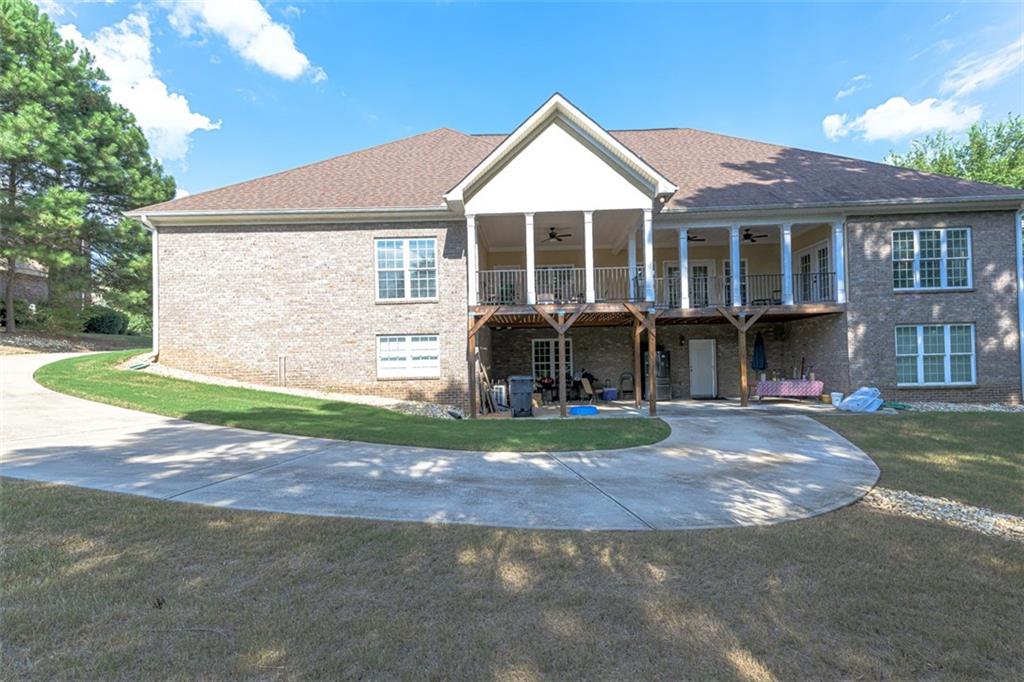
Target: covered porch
(697, 353)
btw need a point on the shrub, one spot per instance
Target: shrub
(23, 313)
(106, 321)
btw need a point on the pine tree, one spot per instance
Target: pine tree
(71, 161)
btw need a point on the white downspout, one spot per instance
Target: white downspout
(1019, 228)
(156, 283)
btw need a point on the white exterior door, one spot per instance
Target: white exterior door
(703, 372)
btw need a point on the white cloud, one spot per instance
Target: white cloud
(858, 82)
(898, 118)
(291, 11)
(249, 31)
(124, 52)
(180, 192)
(984, 70)
(52, 8)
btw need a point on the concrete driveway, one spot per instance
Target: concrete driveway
(713, 471)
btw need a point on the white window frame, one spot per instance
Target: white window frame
(943, 259)
(554, 356)
(408, 371)
(947, 354)
(406, 271)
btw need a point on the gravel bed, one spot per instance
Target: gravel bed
(32, 342)
(422, 409)
(948, 511)
(964, 407)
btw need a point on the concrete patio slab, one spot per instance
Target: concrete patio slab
(715, 470)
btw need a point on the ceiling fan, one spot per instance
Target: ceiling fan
(555, 236)
(749, 236)
(694, 238)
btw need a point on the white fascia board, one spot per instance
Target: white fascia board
(290, 216)
(557, 104)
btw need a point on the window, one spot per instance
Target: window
(545, 358)
(406, 269)
(931, 259)
(935, 354)
(416, 356)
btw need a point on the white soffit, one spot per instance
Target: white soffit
(557, 160)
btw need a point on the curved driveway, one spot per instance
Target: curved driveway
(712, 471)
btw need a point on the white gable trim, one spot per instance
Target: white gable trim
(582, 125)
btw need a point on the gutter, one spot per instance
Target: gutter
(957, 203)
(155, 265)
(270, 215)
(1018, 226)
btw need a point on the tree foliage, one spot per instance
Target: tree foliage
(71, 161)
(991, 152)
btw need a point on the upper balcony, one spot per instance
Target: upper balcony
(618, 284)
(623, 257)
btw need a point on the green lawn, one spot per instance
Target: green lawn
(103, 586)
(972, 457)
(95, 377)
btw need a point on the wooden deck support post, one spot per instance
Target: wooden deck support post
(638, 330)
(645, 322)
(561, 326)
(475, 325)
(652, 366)
(743, 324)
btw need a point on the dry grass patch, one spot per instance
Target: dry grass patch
(98, 585)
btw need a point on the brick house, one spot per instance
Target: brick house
(383, 270)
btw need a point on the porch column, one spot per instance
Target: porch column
(531, 266)
(588, 247)
(472, 256)
(648, 256)
(684, 269)
(734, 265)
(839, 256)
(786, 230)
(631, 250)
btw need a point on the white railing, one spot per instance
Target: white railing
(561, 285)
(502, 287)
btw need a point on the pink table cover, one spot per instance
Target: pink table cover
(789, 388)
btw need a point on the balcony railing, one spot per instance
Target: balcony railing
(612, 284)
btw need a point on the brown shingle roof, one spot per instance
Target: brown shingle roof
(711, 171)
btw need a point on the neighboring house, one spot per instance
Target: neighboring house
(30, 282)
(354, 273)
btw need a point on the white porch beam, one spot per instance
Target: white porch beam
(721, 223)
(531, 263)
(588, 247)
(684, 268)
(631, 247)
(472, 259)
(648, 256)
(839, 256)
(734, 264)
(786, 237)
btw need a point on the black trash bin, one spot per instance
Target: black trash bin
(520, 395)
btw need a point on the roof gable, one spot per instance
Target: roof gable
(552, 129)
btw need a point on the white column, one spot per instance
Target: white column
(531, 265)
(588, 247)
(648, 256)
(684, 269)
(786, 233)
(472, 258)
(631, 250)
(734, 264)
(839, 256)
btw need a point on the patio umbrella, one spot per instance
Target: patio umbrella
(759, 362)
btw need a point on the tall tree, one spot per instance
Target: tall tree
(71, 161)
(991, 152)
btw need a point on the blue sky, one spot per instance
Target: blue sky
(232, 90)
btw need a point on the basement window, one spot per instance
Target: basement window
(408, 356)
(935, 355)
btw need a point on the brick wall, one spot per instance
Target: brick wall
(233, 299)
(874, 309)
